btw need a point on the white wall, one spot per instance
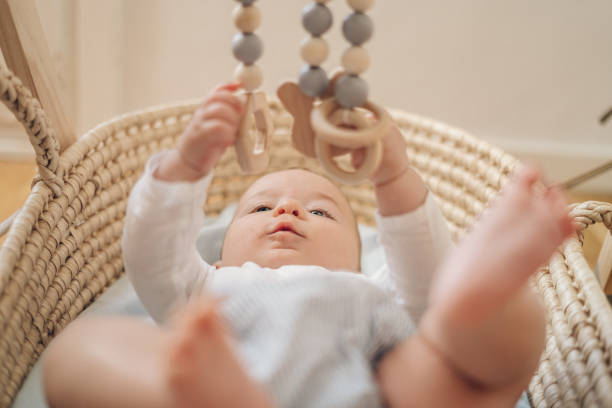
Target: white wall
(531, 77)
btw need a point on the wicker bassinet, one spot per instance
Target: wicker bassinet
(63, 247)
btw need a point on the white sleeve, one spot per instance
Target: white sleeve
(159, 253)
(414, 244)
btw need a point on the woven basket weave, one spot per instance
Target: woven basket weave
(63, 248)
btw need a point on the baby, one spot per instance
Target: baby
(285, 318)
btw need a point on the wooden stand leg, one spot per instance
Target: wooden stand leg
(25, 50)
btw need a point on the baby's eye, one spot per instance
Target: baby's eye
(262, 208)
(320, 213)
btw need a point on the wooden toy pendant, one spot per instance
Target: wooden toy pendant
(339, 119)
(253, 142)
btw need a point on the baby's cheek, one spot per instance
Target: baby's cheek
(239, 233)
(342, 239)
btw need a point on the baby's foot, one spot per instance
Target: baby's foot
(483, 316)
(514, 237)
(203, 370)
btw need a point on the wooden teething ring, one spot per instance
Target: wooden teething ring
(373, 152)
(253, 142)
(348, 138)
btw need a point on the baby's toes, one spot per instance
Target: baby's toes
(204, 317)
(181, 350)
(179, 370)
(558, 207)
(520, 189)
(527, 177)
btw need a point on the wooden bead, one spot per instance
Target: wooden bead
(316, 18)
(247, 47)
(351, 91)
(314, 50)
(313, 81)
(322, 1)
(355, 60)
(357, 28)
(251, 76)
(361, 5)
(247, 19)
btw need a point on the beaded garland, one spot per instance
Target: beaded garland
(247, 47)
(318, 126)
(351, 90)
(316, 19)
(253, 141)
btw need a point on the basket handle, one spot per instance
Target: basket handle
(589, 213)
(586, 214)
(28, 111)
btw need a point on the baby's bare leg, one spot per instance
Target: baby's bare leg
(107, 362)
(122, 362)
(483, 334)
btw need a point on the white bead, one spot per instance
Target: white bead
(361, 5)
(247, 19)
(314, 50)
(355, 60)
(251, 76)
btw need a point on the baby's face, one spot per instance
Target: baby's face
(293, 217)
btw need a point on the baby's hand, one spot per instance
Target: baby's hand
(394, 161)
(212, 129)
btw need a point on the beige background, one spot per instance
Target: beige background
(531, 77)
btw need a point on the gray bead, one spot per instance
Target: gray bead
(351, 91)
(357, 28)
(247, 47)
(316, 18)
(246, 2)
(313, 81)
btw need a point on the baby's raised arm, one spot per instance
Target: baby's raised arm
(412, 229)
(164, 212)
(399, 188)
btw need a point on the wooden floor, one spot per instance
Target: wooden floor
(15, 179)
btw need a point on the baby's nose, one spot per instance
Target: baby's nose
(291, 207)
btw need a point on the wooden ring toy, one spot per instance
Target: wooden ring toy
(348, 138)
(373, 153)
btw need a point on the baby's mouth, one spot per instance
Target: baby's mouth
(285, 227)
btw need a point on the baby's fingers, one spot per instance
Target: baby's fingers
(231, 87)
(358, 157)
(222, 133)
(220, 111)
(227, 98)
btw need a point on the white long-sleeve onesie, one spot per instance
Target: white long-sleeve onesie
(312, 336)
(161, 260)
